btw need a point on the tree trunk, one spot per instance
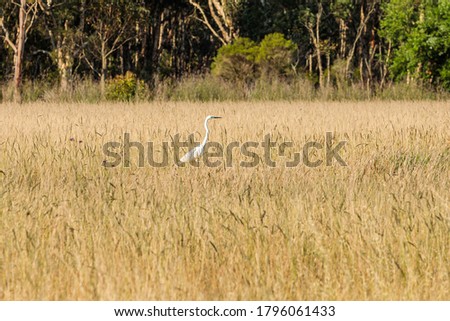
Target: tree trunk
(64, 58)
(315, 38)
(361, 69)
(319, 65)
(65, 63)
(122, 60)
(317, 44)
(362, 26)
(384, 65)
(362, 48)
(104, 69)
(419, 65)
(343, 38)
(328, 68)
(18, 55)
(136, 43)
(82, 15)
(310, 64)
(157, 33)
(63, 82)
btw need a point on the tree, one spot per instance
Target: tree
(244, 60)
(275, 55)
(158, 40)
(64, 22)
(420, 36)
(27, 12)
(110, 22)
(312, 23)
(364, 18)
(342, 10)
(219, 18)
(237, 61)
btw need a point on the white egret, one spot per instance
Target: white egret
(198, 150)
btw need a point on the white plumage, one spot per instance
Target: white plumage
(198, 150)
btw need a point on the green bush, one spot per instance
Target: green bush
(237, 61)
(419, 34)
(246, 61)
(444, 74)
(124, 87)
(275, 55)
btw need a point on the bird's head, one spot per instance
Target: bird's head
(212, 117)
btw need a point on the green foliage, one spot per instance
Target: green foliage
(341, 8)
(236, 61)
(275, 55)
(209, 88)
(244, 60)
(437, 44)
(79, 40)
(444, 74)
(420, 36)
(398, 20)
(124, 88)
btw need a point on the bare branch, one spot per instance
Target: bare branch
(49, 30)
(6, 36)
(115, 45)
(206, 21)
(358, 35)
(309, 27)
(45, 52)
(113, 49)
(44, 7)
(214, 5)
(34, 9)
(91, 66)
(219, 8)
(318, 17)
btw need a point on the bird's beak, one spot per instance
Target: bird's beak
(216, 117)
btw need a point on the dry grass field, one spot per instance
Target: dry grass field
(377, 229)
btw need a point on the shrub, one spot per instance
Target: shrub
(237, 61)
(244, 60)
(124, 87)
(275, 55)
(444, 74)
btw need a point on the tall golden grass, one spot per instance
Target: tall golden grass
(377, 229)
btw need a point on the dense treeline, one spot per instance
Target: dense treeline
(337, 42)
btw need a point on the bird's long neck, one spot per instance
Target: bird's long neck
(207, 133)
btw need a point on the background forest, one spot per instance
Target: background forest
(83, 82)
(91, 50)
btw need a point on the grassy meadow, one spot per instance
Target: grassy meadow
(377, 229)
